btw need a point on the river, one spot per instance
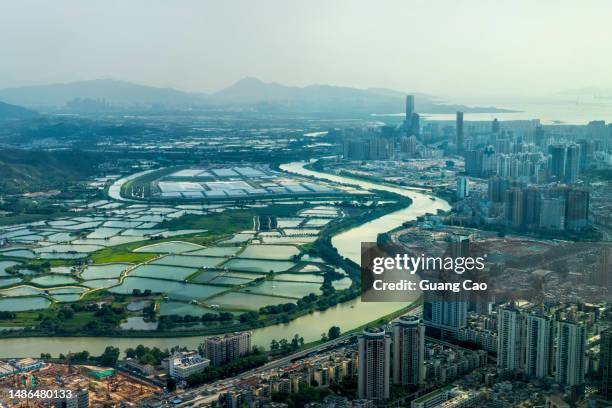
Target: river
(347, 315)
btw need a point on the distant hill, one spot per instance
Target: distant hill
(114, 93)
(104, 94)
(15, 112)
(29, 170)
(333, 98)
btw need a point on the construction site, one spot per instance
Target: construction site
(101, 387)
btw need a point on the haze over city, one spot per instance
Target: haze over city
(317, 204)
(474, 50)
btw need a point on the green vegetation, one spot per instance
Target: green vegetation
(230, 369)
(146, 355)
(302, 397)
(108, 358)
(284, 347)
(24, 171)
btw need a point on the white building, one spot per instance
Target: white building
(571, 348)
(538, 348)
(508, 338)
(182, 365)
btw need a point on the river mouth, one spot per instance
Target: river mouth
(347, 316)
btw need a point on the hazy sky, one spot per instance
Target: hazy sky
(443, 47)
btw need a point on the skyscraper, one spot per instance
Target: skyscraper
(473, 162)
(538, 347)
(445, 313)
(508, 338)
(409, 109)
(552, 212)
(463, 187)
(556, 167)
(459, 126)
(572, 163)
(497, 188)
(408, 351)
(514, 207)
(495, 126)
(408, 145)
(603, 274)
(415, 125)
(605, 364)
(459, 246)
(570, 358)
(374, 364)
(531, 208)
(577, 209)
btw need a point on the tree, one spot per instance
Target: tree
(333, 332)
(171, 384)
(274, 345)
(109, 357)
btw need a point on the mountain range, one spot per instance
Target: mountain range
(113, 94)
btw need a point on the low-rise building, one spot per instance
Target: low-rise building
(182, 365)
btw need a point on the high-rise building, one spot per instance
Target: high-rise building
(495, 126)
(444, 314)
(603, 274)
(577, 209)
(514, 207)
(459, 246)
(408, 145)
(374, 364)
(474, 162)
(387, 132)
(570, 357)
(504, 162)
(409, 109)
(572, 163)
(552, 213)
(531, 208)
(459, 136)
(463, 187)
(356, 149)
(221, 350)
(509, 350)
(489, 162)
(605, 364)
(408, 351)
(586, 151)
(497, 188)
(372, 147)
(415, 125)
(538, 346)
(556, 167)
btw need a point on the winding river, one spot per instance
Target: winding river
(347, 315)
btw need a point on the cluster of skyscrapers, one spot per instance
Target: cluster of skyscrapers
(404, 350)
(552, 207)
(540, 346)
